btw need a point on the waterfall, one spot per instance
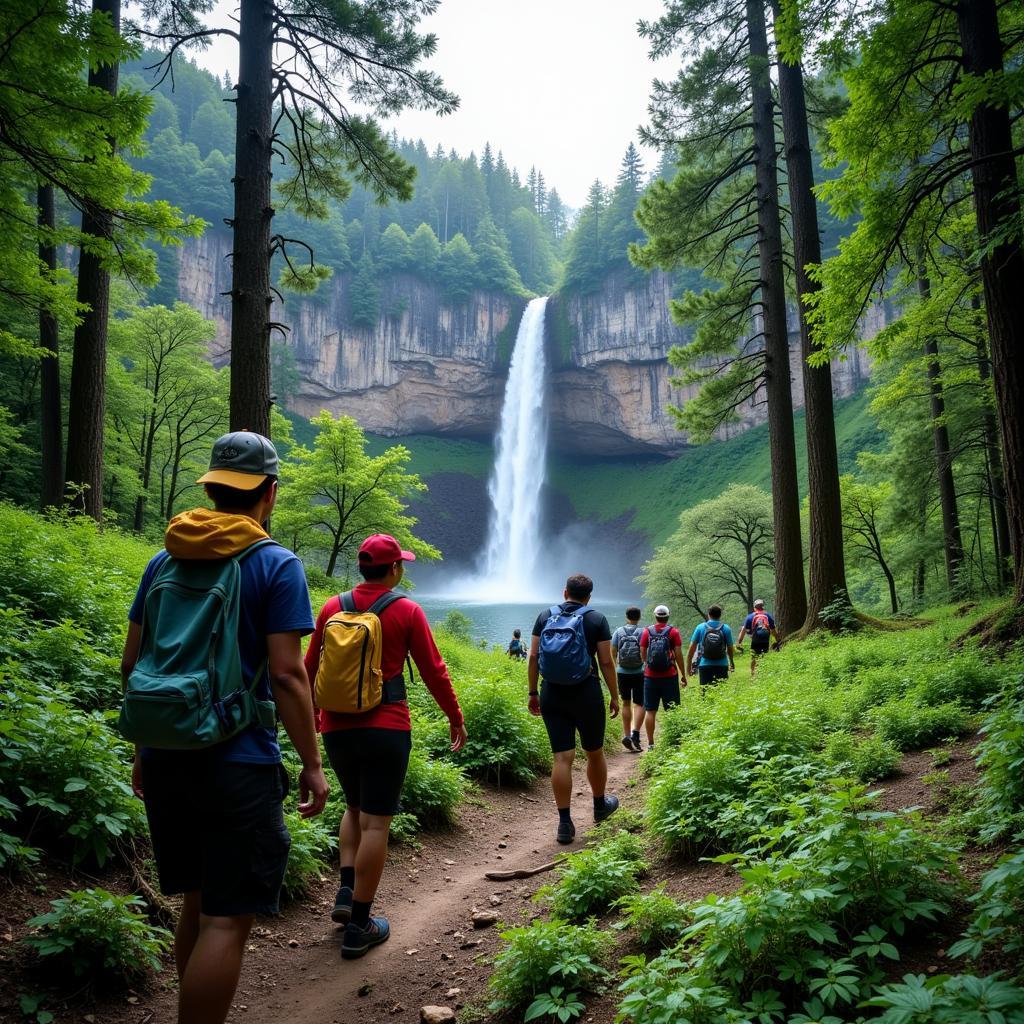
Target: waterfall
(513, 542)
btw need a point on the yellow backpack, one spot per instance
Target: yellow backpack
(348, 678)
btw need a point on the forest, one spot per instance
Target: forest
(834, 839)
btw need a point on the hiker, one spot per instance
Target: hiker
(356, 662)
(569, 641)
(629, 668)
(211, 775)
(517, 649)
(761, 627)
(662, 648)
(711, 649)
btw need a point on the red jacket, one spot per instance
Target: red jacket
(404, 632)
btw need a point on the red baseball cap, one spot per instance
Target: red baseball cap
(383, 549)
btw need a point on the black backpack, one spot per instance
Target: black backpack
(714, 646)
(628, 648)
(659, 649)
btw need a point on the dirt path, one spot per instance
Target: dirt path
(294, 972)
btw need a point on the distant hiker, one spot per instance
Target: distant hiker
(629, 665)
(211, 660)
(662, 647)
(761, 627)
(711, 648)
(517, 649)
(356, 662)
(569, 641)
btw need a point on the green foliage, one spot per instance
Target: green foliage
(941, 999)
(547, 953)
(592, 880)
(867, 758)
(557, 1004)
(910, 725)
(433, 790)
(654, 917)
(1001, 757)
(100, 936)
(458, 625)
(314, 843)
(998, 918)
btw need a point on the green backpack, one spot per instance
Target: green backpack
(187, 689)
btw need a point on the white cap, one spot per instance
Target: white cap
(661, 612)
(759, 603)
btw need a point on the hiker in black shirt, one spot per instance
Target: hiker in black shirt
(570, 699)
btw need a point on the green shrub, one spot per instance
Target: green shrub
(1001, 758)
(654, 917)
(433, 791)
(912, 726)
(556, 1003)
(868, 758)
(998, 919)
(548, 953)
(968, 680)
(314, 843)
(593, 879)
(94, 934)
(66, 769)
(961, 999)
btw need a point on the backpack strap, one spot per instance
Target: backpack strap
(392, 690)
(346, 602)
(242, 555)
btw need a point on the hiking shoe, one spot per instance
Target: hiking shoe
(636, 744)
(627, 743)
(342, 912)
(566, 832)
(650, 746)
(357, 941)
(611, 805)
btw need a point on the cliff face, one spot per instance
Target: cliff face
(430, 366)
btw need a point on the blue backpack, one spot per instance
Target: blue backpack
(564, 656)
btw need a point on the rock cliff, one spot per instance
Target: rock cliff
(430, 366)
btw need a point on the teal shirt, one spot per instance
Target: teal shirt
(698, 639)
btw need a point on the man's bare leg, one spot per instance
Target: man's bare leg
(210, 977)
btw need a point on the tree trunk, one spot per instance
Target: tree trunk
(827, 566)
(892, 587)
(87, 402)
(952, 541)
(51, 431)
(994, 470)
(749, 597)
(997, 205)
(250, 258)
(332, 562)
(790, 593)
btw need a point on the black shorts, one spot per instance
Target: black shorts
(710, 674)
(567, 710)
(660, 691)
(759, 649)
(631, 686)
(217, 828)
(371, 766)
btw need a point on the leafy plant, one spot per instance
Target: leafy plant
(557, 1004)
(867, 758)
(998, 919)
(593, 879)
(97, 934)
(1001, 758)
(654, 917)
(313, 844)
(548, 953)
(961, 999)
(433, 790)
(909, 725)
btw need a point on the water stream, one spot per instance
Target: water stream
(513, 543)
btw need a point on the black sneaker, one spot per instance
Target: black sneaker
(566, 832)
(357, 941)
(611, 805)
(635, 740)
(342, 912)
(627, 743)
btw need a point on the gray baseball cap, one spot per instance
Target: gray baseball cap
(661, 612)
(241, 459)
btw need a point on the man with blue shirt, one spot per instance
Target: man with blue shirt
(215, 813)
(712, 644)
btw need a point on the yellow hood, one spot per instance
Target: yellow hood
(204, 533)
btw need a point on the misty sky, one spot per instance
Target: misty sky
(562, 84)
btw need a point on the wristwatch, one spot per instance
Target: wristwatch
(534, 693)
